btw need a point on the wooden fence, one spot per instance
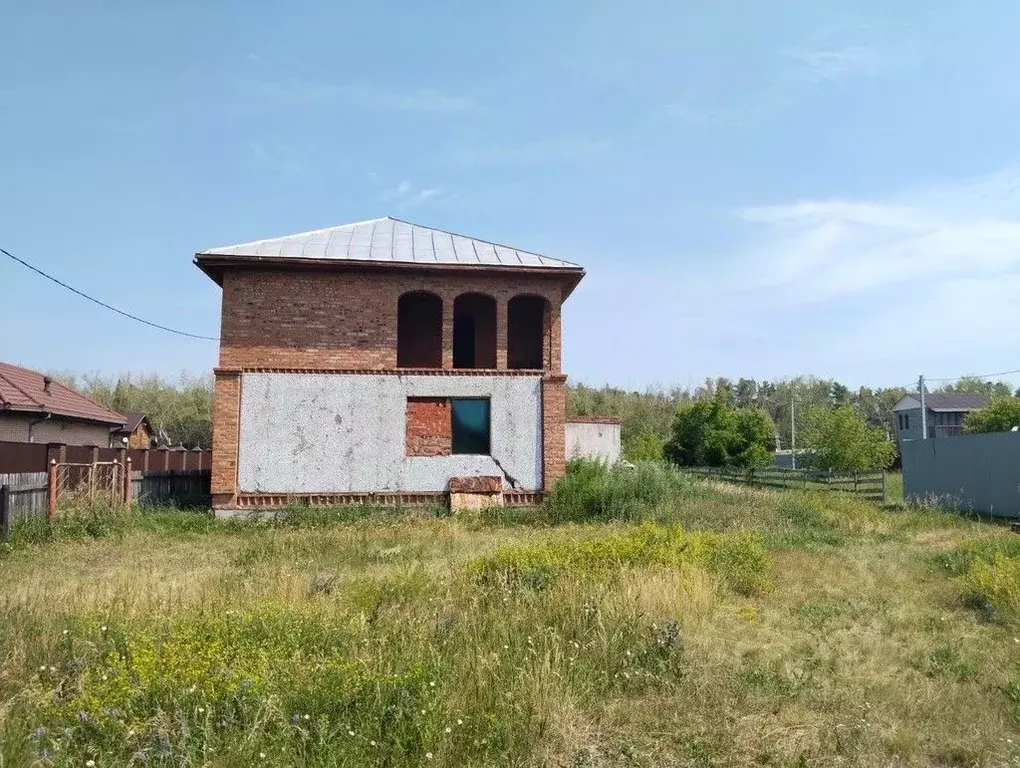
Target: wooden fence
(36, 457)
(26, 495)
(868, 485)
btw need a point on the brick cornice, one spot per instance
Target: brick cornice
(389, 371)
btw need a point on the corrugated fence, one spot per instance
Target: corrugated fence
(978, 473)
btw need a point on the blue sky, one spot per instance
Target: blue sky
(757, 189)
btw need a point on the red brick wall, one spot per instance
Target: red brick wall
(429, 426)
(226, 405)
(554, 430)
(307, 319)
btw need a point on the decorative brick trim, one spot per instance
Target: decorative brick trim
(279, 500)
(388, 371)
(593, 420)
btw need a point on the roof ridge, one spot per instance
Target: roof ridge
(482, 240)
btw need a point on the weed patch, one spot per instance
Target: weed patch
(740, 559)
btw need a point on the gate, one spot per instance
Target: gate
(86, 484)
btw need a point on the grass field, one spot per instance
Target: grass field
(639, 619)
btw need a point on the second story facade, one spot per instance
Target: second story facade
(946, 414)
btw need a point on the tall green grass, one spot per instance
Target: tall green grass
(594, 492)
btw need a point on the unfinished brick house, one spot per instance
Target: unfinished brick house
(389, 360)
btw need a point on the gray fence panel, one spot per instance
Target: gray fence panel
(29, 494)
(979, 473)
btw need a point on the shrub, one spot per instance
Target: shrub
(740, 559)
(591, 491)
(1001, 415)
(842, 440)
(714, 434)
(644, 447)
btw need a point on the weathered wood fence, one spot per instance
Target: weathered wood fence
(868, 485)
(25, 495)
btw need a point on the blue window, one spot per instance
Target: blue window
(470, 425)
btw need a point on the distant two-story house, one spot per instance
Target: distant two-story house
(946, 413)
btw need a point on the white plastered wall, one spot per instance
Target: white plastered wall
(346, 433)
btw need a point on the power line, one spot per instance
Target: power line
(104, 304)
(976, 376)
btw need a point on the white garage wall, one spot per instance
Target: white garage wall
(586, 440)
(335, 433)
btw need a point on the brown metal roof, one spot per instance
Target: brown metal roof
(132, 420)
(24, 390)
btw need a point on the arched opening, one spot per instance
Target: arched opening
(474, 331)
(525, 333)
(419, 330)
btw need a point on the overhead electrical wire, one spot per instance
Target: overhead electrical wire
(103, 304)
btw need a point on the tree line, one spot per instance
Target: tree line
(848, 429)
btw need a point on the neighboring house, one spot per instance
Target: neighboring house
(36, 409)
(946, 413)
(591, 437)
(135, 432)
(386, 359)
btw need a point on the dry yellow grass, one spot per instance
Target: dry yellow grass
(861, 652)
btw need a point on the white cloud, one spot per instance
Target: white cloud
(818, 65)
(782, 78)
(820, 250)
(407, 195)
(275, 156)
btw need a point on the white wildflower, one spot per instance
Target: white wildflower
(459, 721)
(428, 755)
(350, 733)
(448, 729)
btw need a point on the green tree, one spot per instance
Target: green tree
(182, 408)
(842, 440)
(644, 447)
(975, 386)
(714, 434)
(1001, 415)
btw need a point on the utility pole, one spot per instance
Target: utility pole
(924, 411)
(793, 435)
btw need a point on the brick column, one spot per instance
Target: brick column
(226, 430)
(502, 324)
(554, 437)
(448, 332)
(555, 338)
(56, 452)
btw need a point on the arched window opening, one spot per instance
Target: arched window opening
(474, 331)
(526, 331)
(419, 330)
